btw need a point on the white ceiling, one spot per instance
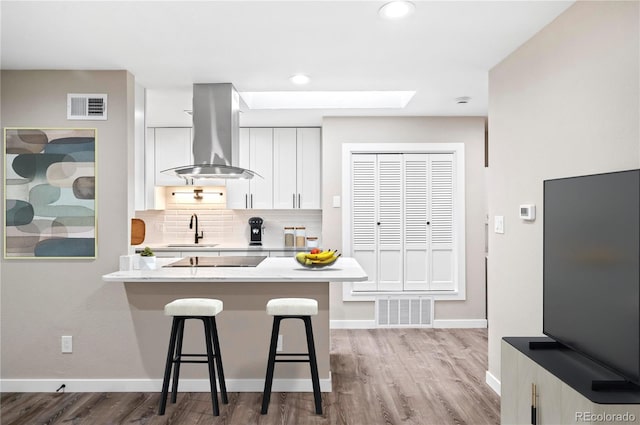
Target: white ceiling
(443, 51)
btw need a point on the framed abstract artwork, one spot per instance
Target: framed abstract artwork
(50, 193)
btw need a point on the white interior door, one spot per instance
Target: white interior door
(390, 223)
(442, 227)
(363, 218)
(416, 222)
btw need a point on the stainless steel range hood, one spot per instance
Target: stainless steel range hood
(216, 109)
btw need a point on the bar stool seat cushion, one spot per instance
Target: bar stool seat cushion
(292, 307)
(193, 307)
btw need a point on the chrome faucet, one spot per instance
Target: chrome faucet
(201, 235)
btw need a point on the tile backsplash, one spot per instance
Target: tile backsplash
(226, 226)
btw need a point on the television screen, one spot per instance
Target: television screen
(591, 300)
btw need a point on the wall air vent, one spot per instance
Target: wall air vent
(86, 106)
(404, 311)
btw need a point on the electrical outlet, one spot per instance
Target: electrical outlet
(67, 344)
(279, 346)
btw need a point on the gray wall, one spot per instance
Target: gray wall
(565, 103)
(467, 130)
(44, 299)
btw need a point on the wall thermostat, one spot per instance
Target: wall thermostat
(528, 212)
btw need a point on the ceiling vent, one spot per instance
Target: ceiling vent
(86, 106)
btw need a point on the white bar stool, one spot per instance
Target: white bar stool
(292, 308)
(193, 308)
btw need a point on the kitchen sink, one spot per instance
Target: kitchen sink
(192, 245)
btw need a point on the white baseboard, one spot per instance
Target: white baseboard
(493, 382)
(371, 324)
(154, 385)
(352, 324)
(460, 323)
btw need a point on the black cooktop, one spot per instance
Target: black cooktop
(228, 261)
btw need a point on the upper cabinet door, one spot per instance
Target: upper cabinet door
(238, 189)
(172, 149)
(309, 166)
(285, 193)
(261, 161)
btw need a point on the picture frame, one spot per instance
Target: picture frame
(50, 193)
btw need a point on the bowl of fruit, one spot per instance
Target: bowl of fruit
(317, 258)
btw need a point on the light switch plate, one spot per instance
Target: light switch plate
(336, 201)
(498, 224)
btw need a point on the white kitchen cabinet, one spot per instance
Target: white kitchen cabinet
(402, 221)
(172, 149)
(256, 154)
(297, 168)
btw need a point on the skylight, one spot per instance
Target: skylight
(327, 99)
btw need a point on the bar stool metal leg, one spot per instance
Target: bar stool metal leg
(218, 355)
(266, 396)
(167, 369)
(178, 354)
(313, 365)
(212, 369)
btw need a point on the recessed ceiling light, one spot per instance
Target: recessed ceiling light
(396, 9)
(300, 79)
(327, 99)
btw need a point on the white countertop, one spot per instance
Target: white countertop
(218, 247)
(272, 269)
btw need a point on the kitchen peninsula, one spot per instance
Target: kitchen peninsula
(243, 326)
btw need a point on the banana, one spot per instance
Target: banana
(301, 257)
(324, 258)
(321, 256)
(326, 261)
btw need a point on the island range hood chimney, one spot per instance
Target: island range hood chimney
(216, 132)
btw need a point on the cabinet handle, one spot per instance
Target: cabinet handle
(294, 199)
(534, 407)
(299, 200)
(252, 200)
(246, 202)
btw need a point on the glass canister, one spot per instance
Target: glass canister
(312, 242)
(301, 236)
(289, 238)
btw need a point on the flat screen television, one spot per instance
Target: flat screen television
(591, 272)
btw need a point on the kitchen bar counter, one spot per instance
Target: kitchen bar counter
(270, 270)
(244, 326)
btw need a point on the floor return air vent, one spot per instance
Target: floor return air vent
(404, 311)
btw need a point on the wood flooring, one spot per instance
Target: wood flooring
(380, 376)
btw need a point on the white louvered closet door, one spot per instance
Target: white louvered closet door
(416, 222)
(363, 218)
(389, 222)
(442, 261)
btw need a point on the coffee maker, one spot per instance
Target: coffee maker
(255, 230)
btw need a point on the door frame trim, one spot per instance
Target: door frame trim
(457, 149)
